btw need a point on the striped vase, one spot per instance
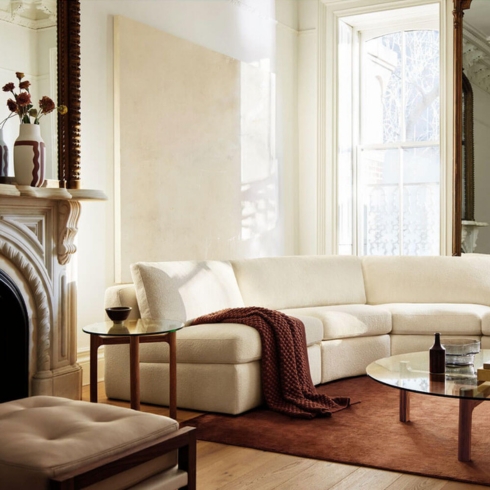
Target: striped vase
(29, 156)
(4, 159)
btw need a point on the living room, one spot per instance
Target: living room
(191, 186)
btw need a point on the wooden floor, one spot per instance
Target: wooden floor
(221, 467)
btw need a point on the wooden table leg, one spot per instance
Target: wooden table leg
(466, 407)
(134, 367)
(404, 406)
(95, 343)
(172, 405)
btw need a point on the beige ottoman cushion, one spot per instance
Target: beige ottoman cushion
(45, 436)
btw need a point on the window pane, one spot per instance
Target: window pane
(421, 198)
(382, 89)
(379, 192)
(421, 86)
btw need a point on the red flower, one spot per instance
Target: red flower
(23, 99)
(24, 85)
(12, 105)
(9, 87)
(46, 105)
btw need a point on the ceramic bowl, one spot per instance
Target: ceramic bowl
(118, 313)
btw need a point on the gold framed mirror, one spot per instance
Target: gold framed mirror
(69, 161)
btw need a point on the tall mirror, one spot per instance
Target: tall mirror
(471, 232)
(41, 38)
(476, 128)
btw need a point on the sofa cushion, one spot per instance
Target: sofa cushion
(448, 319)
(300, 281)
(426, 280)
(344, 321)
(184, 290)
(221, 343)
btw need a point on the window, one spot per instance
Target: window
(388, 167)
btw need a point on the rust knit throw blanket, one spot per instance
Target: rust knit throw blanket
(286, 381)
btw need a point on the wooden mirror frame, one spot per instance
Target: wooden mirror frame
(68, 43)
(459, 7)
(469, 152)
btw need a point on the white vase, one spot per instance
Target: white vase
(4, 159)
(29, 156)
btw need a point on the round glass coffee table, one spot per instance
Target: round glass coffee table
(134, 332)
(410, 373)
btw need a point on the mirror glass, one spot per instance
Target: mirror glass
(28, 28)
(476, 67)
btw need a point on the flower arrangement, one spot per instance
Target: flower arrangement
(21, 105)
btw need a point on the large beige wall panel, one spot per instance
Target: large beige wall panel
(178, 110)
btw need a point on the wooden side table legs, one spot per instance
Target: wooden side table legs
(404, 406)
(464, 427)
(134, 371)
(95, 343)
(172, 403)
(134, 365)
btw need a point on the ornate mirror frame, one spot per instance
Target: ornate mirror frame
(68, 14)
(459, 7)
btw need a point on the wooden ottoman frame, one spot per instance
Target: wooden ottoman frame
(184, 440)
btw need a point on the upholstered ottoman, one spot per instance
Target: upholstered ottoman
(50, 442)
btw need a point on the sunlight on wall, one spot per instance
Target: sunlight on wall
(259, 168)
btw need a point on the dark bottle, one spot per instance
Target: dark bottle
(437, 356)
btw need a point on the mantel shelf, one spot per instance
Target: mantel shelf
(11, 190)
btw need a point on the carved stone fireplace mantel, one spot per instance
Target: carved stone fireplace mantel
(37, 231)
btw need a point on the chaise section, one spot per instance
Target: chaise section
(218, 365)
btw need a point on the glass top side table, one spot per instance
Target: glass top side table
(134, 332)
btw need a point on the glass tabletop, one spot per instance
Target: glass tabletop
(411, 372)
(134, 327)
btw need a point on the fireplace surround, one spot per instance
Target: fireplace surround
(37, 231)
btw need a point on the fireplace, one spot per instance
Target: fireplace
(14, 352)
(39, 351)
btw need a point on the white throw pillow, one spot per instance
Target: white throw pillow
(183, 290)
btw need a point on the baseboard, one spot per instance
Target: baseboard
(83, 360)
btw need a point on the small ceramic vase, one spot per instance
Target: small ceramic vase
(29, 156)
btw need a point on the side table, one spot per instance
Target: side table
(134, 332)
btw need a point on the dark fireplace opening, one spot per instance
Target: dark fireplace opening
(14, 341)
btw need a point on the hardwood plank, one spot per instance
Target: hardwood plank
(414, 482)
(322, 475)
(271, 472)
(225, 468)
(454, 485)
(367, 478)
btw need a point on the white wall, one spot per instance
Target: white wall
(246, 31)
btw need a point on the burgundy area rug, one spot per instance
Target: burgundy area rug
(367, 433)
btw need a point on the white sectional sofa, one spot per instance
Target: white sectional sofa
(355, 310)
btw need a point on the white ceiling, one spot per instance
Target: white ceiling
(478, 17)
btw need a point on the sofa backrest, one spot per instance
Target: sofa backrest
(436, 279)
(183, 290)
(300, 281)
